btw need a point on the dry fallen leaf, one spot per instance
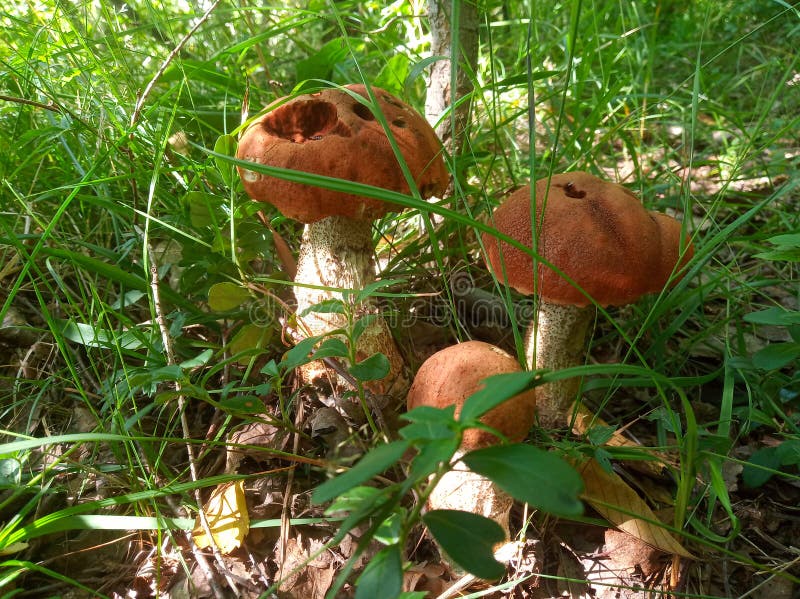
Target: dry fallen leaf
(228, 520)
(605, 491)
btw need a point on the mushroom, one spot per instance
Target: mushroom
(335, 133)
(609, 246)
(448, 378)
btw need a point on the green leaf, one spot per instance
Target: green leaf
(360, 503)
(248, 341)
(762, 466)
(320, 65)
(371, 288)
(428, 423)
(393, 75)
(226, 296)
(226, 144)
(299, 354)
(374, 462)
(787, 255)
(200, 360)
(242, 404)
(92, 336)
(391, 529)
(430, 455)
(373, 368)
(383, 576)
(328, 306)
(532, 475)
(204, 208)
(361, 325)
(332, 347)
(789, 452)
(468, 539)
(774, 316)
(496, 390)
(776, 355)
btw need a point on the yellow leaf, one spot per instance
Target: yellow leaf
(13, 548)
(606, 491)
(228, 520)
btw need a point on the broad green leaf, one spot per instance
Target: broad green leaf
(428, 431)
(299, 354)
(359, 503)
(332, 347)
(328, 306)
(362, 324)
(320, 65)
(383, 576)
(249, 340)
(780, 255)
(468, 539)
(789, 452)
(428, 458)
(226, 296)
(373, 463)
(532, 475)
(242, 404)
(92, 336)
(393, 75)
(776, 355)
(774, 316)
(200, 359)
(373, 368)
(496, 390)
(430, 414)
(762, 466)
(204, 208)
(225, 144)
(390, 530)
(371, 288)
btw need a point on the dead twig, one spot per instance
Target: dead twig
(167, 61)
(170, 355)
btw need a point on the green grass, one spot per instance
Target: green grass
(104, 385)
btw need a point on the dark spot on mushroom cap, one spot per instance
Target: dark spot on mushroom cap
(363, 112)
(572, 191)
(399, 123)
(299, 122)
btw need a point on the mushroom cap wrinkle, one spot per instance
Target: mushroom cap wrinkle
(451, 375)
(333, 134)
(596, 232)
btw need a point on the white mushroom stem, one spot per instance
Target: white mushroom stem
(557, 340)
(336, 253)
(462, 489)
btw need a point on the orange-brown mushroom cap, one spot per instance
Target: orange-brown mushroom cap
(597, 232)
(451, 375)
(331, 133)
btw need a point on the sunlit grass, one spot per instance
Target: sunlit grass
(695, 110)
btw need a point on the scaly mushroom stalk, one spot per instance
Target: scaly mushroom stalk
(337, 253)
(557, 340)
(608, 246)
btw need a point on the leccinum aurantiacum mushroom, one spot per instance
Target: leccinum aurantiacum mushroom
(448, 378)
(334, 133)
(600, 236)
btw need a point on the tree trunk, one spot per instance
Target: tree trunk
(441, 97)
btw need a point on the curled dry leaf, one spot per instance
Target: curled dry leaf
(228, 520)
(611, 496)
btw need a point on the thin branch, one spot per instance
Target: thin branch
(149, 88)
(168, 349)
(17, 100)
